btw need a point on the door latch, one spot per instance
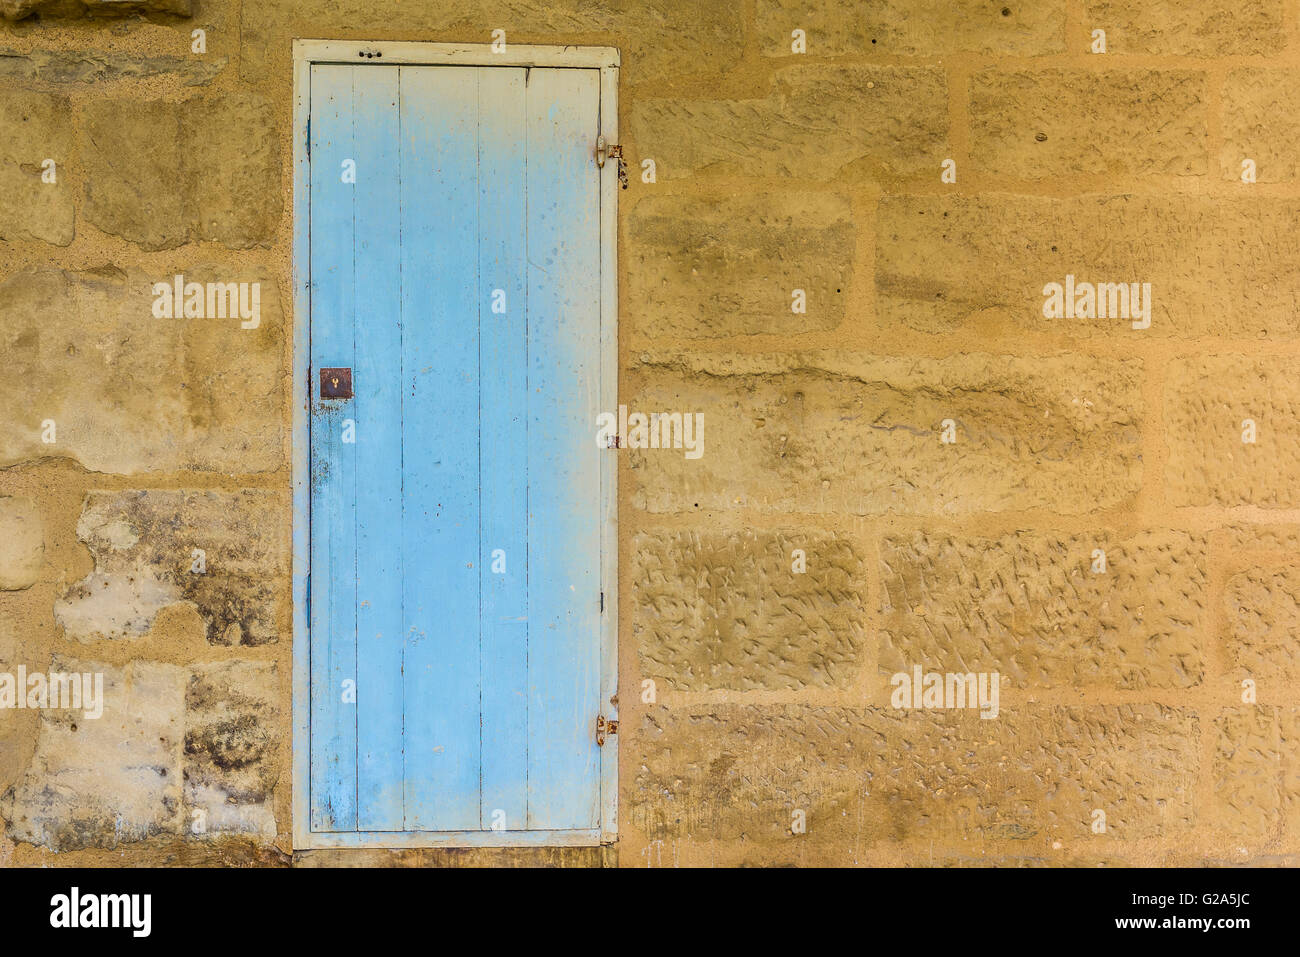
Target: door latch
(606, 151)
(604, 727)
(336, 383)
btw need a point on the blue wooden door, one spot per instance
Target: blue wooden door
(455, 522)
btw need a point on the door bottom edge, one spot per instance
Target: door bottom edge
(395, 840)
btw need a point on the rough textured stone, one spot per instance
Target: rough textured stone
(65, 66)
(1257, 773)
(858, 434)
(49, 9)
(703, 267)
(1030, 606)
(913, 27)
(129, 392)
(35, 127)
(1260, 122)
(1043, 124)
(816, 123)
(136, 186)
(22, 543)
(1217, 267)
(737, 772)
(235, 169)
(660, 39)
(1263, 612)
(725, 610)
(231, 748)
(107, 781)
(9, 643)
(1206, 400)
(17, 729)
(162, 174)
(1283, 539)
(143, 544)
(1188, 27)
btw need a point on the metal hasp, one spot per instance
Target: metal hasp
(606, 151)
(604, 727)
(336, 383)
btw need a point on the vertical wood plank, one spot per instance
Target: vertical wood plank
(333, 539)
(563, 465)
(609, 190)
(377, 324)
(300, 455)
(503, 404)
(440, 360)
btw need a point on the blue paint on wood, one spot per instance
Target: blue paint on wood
(377, 329)
(477, 686)
(503, 423)
(563, 463)
(333, 463)
(440, 421)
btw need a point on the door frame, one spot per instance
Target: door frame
(306, 53)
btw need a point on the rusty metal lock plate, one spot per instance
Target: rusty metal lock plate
(336, 383)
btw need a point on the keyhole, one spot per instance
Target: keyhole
(335, 381)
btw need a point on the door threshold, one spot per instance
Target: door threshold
(316, 840)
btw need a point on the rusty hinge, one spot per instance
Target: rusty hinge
(604, 727)
(608, 151)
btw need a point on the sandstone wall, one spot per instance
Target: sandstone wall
(775, 171)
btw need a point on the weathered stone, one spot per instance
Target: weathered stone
(818, 122)
(22, 543)
(1207, 400)
(232, 748)
(839, 432)
(913, 27)
(1253, 537)
(144, 545)
(235, 169)
(1216, 266)
(135, 184)
(34, 128)
(17, 728)
(50, 9)
(1257, 773)
(1263, 613)
(861, 776)
(56, 67)
(721, 610)
(1189, 27)
(1033, 607)
(162, 174)
(703, 268)
(111, 780)
(659, 39)
(1043, 124)
(128, 392)
(1261, 124)
(9, 643)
